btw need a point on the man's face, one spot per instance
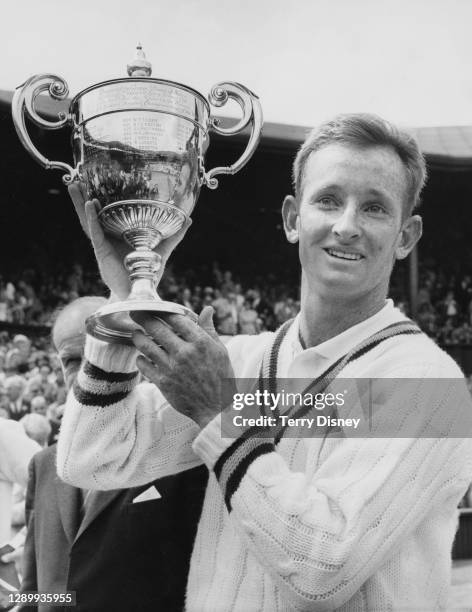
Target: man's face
(24, 349)
(70, 345)
(14, 392)
(68, 335)
(39, 406)
(44, 372)
(34, 389)
(349, 221)
(68, 339)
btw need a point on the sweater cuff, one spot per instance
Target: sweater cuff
(110, 357)
(229, 451)
(211, 442)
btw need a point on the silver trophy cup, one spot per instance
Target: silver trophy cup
(138, 146)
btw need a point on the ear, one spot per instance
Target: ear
(291, 218)
(409, 235)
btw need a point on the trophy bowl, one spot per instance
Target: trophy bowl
(138, 146)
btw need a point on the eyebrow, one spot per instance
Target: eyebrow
(334, 187)
(378, 194)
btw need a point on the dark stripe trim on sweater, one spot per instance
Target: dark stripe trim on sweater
(222, 459)
(262, 448)
(98, 399)
(268, 369)
(318, 384)
(97, 373)
(334, 370)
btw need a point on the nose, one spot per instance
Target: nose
(346, 226)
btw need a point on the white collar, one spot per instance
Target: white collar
(338, 346)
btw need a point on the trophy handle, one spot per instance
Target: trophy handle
(23, 103)
(252, 113)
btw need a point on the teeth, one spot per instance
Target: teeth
(343, 255)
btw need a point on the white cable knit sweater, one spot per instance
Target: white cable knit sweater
(351, 524)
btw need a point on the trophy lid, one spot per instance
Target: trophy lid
(140, 66)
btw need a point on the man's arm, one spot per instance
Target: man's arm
(116, 433)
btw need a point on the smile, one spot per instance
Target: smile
(344, 254)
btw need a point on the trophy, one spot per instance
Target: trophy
(138, 146)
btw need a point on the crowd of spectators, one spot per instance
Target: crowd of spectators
(32, 387)
(242, 304)
(31, 298)
(444, 305)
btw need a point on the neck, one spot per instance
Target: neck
(322, 319)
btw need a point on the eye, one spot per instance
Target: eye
(71, 363)
(327, 202)
(375, 209)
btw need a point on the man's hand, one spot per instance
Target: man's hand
(187, 362)
(14, 556)
(110, 252)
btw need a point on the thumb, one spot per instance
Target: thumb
(8, 557)
(77, 196)
(169, 244)
(94, 228)
(205, 321)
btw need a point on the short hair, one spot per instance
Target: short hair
(21, 338)
(39, 401)
(15, 381)
(37, 427)
(74, 314)
(365, 130)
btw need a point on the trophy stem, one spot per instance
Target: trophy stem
(142, 224)
(143, 264)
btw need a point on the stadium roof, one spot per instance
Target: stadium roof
(449, 146)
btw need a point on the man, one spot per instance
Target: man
(118, 550)
(39, 405)
(23, 344)
(17, 407)
(290, 522)
(37, 427)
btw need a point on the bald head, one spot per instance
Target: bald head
(68, 333)
(37, 427)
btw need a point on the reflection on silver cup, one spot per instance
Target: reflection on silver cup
(138, 145)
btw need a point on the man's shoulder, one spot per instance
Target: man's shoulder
(250, 342)
(46, 457)
(416, 353)
(10, 427)
(246, 351)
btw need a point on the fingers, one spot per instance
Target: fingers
(94, 228)
(205, 321)
(159, 333)
(15, 555)
(150, 349)
(77, 196)
(166, 247)
(183, 326)
(148, 369)
(87, 213)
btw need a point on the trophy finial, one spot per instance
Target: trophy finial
(140, 66)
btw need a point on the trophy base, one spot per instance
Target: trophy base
(112, 322)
